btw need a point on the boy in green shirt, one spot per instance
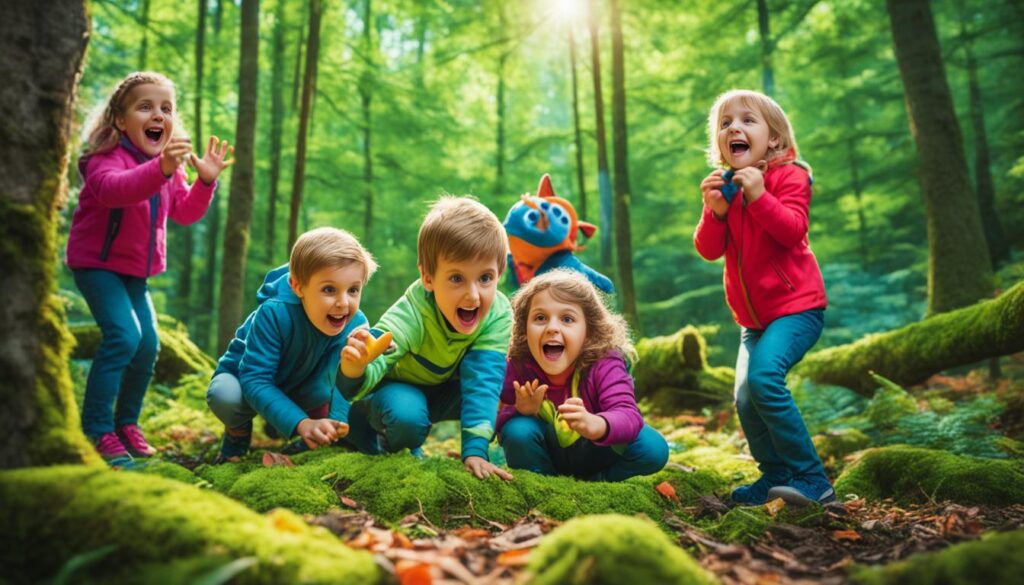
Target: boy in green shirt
(451, 330)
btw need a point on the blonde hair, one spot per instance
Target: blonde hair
(327, 247)
(103, 134)
(779, 127)
(606, 331)
(460, 229)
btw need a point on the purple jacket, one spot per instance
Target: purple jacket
(114, 180)
(606, 390)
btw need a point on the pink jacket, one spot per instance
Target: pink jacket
(770, 271)
(114, 180)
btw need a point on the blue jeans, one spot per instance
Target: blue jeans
(775, 431)
(124, 362)
(401, 413)
(531, 444)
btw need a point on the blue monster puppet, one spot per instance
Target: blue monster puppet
(542, 236)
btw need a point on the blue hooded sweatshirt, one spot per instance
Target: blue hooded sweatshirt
(285, 365)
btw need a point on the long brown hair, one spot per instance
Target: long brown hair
(104, 135)
(606, 331)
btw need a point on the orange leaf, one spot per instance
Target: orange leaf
(349, 502)
(773, 507)
(270, 459)
(471, 533)
(514, 558)
(401, 540)
(665, 489)
(846, 535)
(413, 573)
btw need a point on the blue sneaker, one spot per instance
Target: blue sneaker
(756, 493)
(234, 447)
(805, 490)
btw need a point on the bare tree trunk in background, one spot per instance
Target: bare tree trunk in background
(366, 100)
(623, 193)
(297, 70)
(308, 88)
(604, 183)
(144, 25)
(499, 98)
(276, 129)
(239, 221)
(959, 269)
(767, 47)
(582, 207)
(42, 44)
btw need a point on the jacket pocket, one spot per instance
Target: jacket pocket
(781, 275)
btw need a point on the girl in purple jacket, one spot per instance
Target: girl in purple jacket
(134, 180)
(568, 406)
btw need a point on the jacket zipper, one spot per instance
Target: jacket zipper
(739, 272)
(779, 272)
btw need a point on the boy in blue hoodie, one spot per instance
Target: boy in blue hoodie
(451, 330)
(284, 359)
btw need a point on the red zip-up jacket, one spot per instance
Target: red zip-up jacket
(770, 271)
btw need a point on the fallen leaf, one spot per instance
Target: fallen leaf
(514, 558)
(329, 476)
(665, 489)
(413, 573)
(773, 507)
(285, 521)
(846, 535)
(350, 502)
(270, 459)
(471, 533)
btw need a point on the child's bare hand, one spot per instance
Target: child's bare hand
(529, 397)
(213, 161)
(318, 432)
(589, 426)
(483, 468)
(174, 154)
(751, 179)
(362, 348)
(710, 189)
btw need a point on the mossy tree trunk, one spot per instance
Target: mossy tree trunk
(959, 272)
(911, 354)
(673, 373)
(42, 46)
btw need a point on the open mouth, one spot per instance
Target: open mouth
(553, 351)
(738, 147)
(467, 317)
(337, 322)
(154, 134)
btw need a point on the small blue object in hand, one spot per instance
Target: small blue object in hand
(729, 189)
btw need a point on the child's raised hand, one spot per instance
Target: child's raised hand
(318, 432)
(174, 154)
(529, 397)
(362, 349)
(710, 189)
(213, 162)
(589, 426)
(751, 179)
(483, 468)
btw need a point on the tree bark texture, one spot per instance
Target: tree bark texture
(911, 354)
(276, 130)
(673, 373)
(604, 183)
(959, 270)
(581, 206)
(239, 220)
(308, 85)
(42, 44)
(366, 102)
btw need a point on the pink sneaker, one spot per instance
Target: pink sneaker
(110, 447)
(131, 436)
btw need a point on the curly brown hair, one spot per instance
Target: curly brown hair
(606, 331)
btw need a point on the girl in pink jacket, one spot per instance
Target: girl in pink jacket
(134, 180)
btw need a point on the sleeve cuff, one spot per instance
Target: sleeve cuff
(475, 446)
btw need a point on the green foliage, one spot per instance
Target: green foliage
(889, 404)
(611, 550)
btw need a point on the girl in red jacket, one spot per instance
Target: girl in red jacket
(756, 215)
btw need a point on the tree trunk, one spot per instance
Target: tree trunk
(43, 45)
(582, 200)
(995, 238)
(366, 100)
(499, 146)
(767, 47)
(673, 373)
(297, 71)
(239, 221)
(911, 354)
(276, 129)
(308, 84)
(623, 195)
(144, 25)
(959, 270)
(604, 183)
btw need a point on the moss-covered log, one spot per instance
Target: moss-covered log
(909, 474)
(162, 531)
(42, 45)
(178, 355)
(612, 549)
(994, 559)
(911, 354)
(673, 373)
